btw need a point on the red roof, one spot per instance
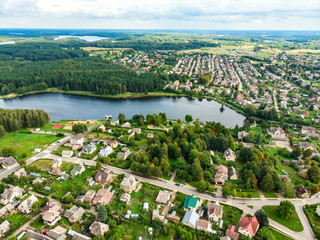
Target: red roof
(57, 126)
(251, 224)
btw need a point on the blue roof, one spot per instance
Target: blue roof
(191, 217)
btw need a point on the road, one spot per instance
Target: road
(275, 101)
(242, 204)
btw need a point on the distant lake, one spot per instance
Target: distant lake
(5, 43)
(63, 106)
(86, 38)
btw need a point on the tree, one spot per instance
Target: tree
(315, 188)
(79, 128)
(36, 205)
(202, 186)
(288, 189)
(68, 199)
(8, 151)
(121, 117)
(250, 110)
(314, 174)
(188, 118)
(296, 151)
(234, 192)
(102, 214)
(307, 153)
(2, 131)
(225, 191)
(286, 209)
(98, 165)
(262, 218)
(267, 183)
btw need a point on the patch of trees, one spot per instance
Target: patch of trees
(16, 119)
(91, 74)
(252, 111)
(79, 128)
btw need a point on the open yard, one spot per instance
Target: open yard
(292, 223)
(25, 143)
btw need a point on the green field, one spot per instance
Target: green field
(292, 223)
(278, 236)
(23, 142)
(269, 195)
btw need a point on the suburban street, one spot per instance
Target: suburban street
(242, 204)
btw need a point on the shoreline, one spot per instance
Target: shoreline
(89, 94)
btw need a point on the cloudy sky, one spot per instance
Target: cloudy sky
(162, 14)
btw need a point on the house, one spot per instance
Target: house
(26, 205)
(214, 211)
(191, 219)
(4, 227)
(241, 135)
(277, 134)
(248, 226)
(221, 174)
(229, 155)
(56, 163)
(78, 236)
(232, 173)
(303, 172)
(128, 184)
(150, 135)
(191, 203)
(306, 145)
(77, 170)
(66, 153)
(174, 218)
(98, 228)
(126, 125)
(302, 192)
(102, 128)
(163, 197)
(51, 214)
(58, 233)
(7, 209)
(74, 214)
(9, 163)
(114, 122)
(103, 177)
(103, 196)
(9, 195)
(89, 196)
(111, 143)
(104, 152)
(318, 210)
(156, 215)
(305, 130)
(77, 139)
(20, 173)
(125, 152)
(231, 233)
(125, 197)
(89, 149)
(204, 225)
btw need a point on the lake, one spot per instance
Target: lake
(64, 106)
(86, 38)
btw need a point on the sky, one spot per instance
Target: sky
(162, 14)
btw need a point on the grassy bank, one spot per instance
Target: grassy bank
(85, 93)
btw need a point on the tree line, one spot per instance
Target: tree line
(16, 119)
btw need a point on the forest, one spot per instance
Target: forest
(16, 119)
(41, 66)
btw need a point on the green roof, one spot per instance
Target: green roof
(190, 202)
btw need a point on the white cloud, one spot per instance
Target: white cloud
(161, 13)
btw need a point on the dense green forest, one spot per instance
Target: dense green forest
(33, 66)
(15, 119)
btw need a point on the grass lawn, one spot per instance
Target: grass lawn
(42, 164)
(231, 215)
(26, 143)
(313, 217)
(16, 221)
(278, 235)
(269, 195)
(248, 194)
(292, 223)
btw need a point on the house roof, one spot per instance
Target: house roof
(9, 161)
(78, 136)
(300, 190)
(213, 208)
(98, 228)
(102, 176)
(202, 223)
(190, 201)
(251, 224)
(191, 217)
(163, 197)
(230, 232)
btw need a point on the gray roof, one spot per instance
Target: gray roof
(191, 217)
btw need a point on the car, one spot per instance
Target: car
(318, 196)
(165, 181)
(177, 184)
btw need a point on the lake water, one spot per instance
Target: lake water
(86, 38)
(63, 106)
